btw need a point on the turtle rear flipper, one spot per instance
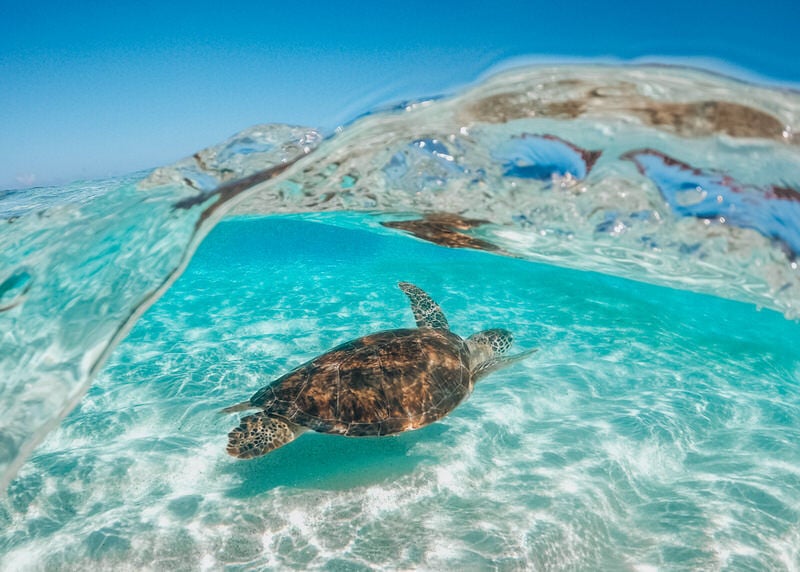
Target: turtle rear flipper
(258, 434)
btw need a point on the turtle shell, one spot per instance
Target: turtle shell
(376, 385)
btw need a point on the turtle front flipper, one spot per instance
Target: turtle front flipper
(493, 364)
(426, 312)
(238, 407)
(258, 434)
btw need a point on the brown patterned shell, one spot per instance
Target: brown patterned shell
(376, 385)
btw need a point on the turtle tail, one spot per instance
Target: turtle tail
(258, 434)
(238, 407)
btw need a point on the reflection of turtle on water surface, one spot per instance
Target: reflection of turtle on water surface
(380, 384)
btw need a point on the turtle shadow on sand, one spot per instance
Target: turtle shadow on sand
(331, 462)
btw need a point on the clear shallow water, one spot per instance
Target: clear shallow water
(654, 428)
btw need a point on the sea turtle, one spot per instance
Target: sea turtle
(380, 384)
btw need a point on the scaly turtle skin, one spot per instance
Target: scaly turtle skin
(379, 384)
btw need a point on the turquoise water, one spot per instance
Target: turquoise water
(639, 225)
(654, 429)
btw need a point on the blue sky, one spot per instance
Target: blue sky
(105, 88)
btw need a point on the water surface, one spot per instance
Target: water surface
(654, 428)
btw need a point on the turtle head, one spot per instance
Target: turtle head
(488, 345)
(487, 352)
